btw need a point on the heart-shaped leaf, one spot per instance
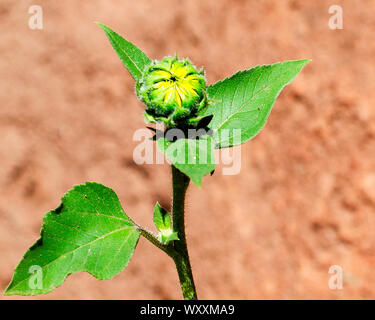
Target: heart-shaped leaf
(89, 231)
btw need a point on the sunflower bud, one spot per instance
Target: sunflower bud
(173, 91)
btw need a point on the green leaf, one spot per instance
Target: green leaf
(193, 157)
(162, 221)
(89, 231)
(241, 103)
(132, 57)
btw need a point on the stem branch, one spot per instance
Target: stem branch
(177, 250)
(168, 249)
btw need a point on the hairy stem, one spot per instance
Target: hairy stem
(177, 250)
(180, 183)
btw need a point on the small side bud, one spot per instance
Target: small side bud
(162, 221)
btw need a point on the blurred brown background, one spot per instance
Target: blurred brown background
(305, 198)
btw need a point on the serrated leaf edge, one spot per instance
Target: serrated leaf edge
(20, 292)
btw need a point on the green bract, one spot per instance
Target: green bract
(173, 91)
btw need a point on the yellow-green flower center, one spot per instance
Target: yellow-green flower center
(172, 89)
(176, 84)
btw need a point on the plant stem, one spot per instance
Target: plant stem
(180, 183)
(168, 249)
(177, 250)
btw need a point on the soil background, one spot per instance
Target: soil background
(305, 197)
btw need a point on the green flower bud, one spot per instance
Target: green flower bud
(173, 91)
